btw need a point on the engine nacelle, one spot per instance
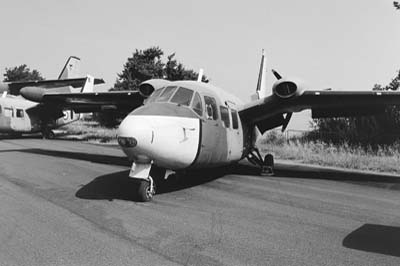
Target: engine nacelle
(147, 87)
(286, 88)
(34, 94)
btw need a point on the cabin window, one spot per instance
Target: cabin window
(235, 121)
(211, 108)
(20, 113)
(164, 97)
(9, 112)
(225, 116)
(0, 109)
(182, 96)
(196, 104)
(154, 95)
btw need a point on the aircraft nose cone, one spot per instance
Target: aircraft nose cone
(135, 136)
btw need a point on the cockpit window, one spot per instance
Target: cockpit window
(225, 116)
(182, 96)
(154, 95)
(211, 108)
(164, 97)
(196, 104)
(235, 120)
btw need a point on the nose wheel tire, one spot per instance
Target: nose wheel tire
(146, 191)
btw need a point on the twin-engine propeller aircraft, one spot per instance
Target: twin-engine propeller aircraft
(181, 125)
(19, 115)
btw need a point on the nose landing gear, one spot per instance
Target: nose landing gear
(146, 190)
(266, 165)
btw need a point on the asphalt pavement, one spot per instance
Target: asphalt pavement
(72, 203)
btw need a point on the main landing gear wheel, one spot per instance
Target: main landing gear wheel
(146, 190)
(48, 134)
(268, 168)
(266, 165)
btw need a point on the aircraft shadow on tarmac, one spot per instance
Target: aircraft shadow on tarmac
(95, 158)
(119, 186)
(375, 238)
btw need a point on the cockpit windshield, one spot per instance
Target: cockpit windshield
(164, 97)
(183, 96)
(178, 95)
(154, 95)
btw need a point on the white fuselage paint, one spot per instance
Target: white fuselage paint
(167, 141)
(175, 137)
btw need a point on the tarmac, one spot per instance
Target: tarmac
(72, 203)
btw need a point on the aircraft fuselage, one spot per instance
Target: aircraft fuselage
(18, 115)
(185, 125)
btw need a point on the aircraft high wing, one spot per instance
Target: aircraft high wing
(276, 110)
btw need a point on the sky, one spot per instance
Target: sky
(345, 45)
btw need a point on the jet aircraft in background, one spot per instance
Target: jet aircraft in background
(181, 125)
(69, 78)
(19, 115)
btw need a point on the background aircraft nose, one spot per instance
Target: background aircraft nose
(135, 132)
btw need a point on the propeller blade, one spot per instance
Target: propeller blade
(276, 74)
(286, 121)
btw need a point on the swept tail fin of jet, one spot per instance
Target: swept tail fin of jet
(71, 68)
(89, 84)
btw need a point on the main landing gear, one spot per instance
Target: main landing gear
(266, 165)
(47, 133)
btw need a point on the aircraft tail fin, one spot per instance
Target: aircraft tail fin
(261, 90)
(89, 84)
(71, 68)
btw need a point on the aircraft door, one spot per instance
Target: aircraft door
(234, 136)
(213, 143)
(19, 120)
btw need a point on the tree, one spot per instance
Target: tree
(21, 73)
(396, 5)
(176, 71)
(143, 65)
(148, 64)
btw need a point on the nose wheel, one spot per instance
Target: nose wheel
(147, 187)
(146, 190)
(266, 165)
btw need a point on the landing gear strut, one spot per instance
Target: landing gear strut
(266, 164)
(48, 133)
